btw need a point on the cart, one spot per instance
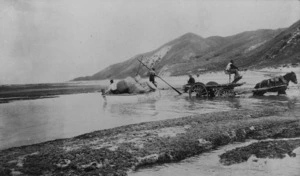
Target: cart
(213, 89)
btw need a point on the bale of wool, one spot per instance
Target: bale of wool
(142, 83)
(138, 79)
(145, 86)
(134, 86)
(151, 86)
(122, 87)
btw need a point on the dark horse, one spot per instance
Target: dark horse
(276, 84)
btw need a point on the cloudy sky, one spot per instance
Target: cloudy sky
(57, 40)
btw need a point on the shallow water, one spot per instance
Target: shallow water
(208, 164)
(32, 121)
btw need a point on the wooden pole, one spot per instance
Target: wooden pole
(160, 78)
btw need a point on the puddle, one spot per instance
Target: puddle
(208, 164)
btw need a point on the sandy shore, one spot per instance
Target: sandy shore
(10, 93)
(119, 150)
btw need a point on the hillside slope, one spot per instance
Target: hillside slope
(283, 49)
(175, 51)
(191, 53)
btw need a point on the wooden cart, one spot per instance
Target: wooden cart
(213, 89)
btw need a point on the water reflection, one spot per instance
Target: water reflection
(104, 105)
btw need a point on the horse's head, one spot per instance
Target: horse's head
(292, 77)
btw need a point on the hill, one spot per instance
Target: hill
(191, 53)
(282, 49)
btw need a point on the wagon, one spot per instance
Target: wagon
(213, 89)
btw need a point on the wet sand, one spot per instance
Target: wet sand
(119, 150)
(10, 93)
(264, 149)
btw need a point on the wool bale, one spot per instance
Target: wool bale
(138, 79)
(133, 86)
(145, 86)
(122, 87)
(151, 86)
(142, 84)
(138, 88)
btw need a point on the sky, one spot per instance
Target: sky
(57, 40)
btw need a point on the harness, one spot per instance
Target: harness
(275, 80)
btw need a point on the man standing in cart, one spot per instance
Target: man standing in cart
(232, 69)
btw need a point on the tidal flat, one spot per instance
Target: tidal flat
(119, 150)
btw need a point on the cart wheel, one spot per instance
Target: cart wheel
(199, 89)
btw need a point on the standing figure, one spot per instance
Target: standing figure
(232, 69)
(152, 75)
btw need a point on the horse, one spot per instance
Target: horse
(277, 84)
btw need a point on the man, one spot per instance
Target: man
(152, 75)
(112, 88)
(191, 80)
(232, 69)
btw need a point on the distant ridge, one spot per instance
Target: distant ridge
(280, 50)
(191, 53)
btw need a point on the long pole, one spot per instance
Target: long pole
(160, 78)
(138, 70)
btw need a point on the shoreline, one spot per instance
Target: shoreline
(119, 150)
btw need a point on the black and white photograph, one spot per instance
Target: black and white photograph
(149, 87)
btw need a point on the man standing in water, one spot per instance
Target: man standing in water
(152, 75)
(232, 69)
